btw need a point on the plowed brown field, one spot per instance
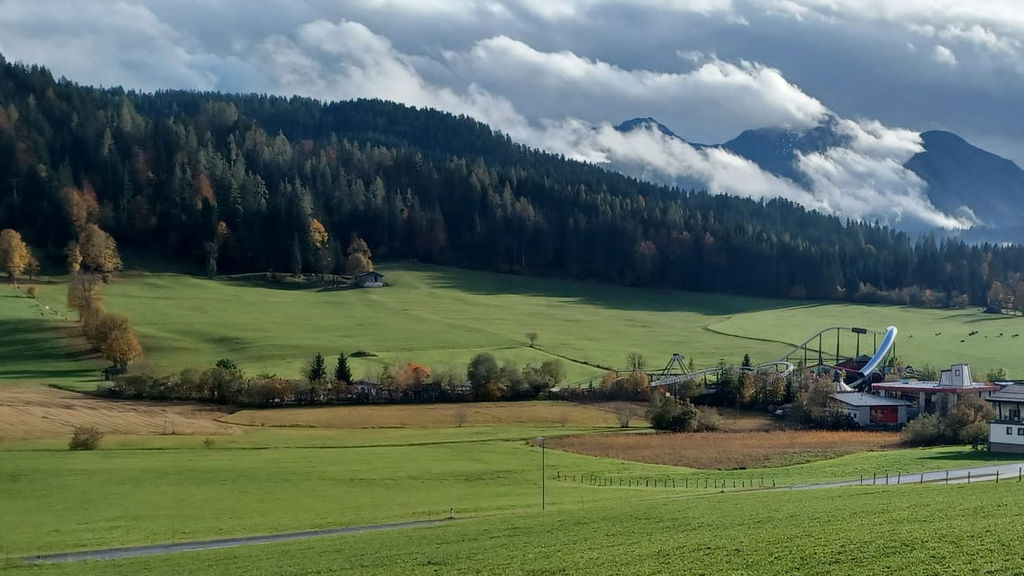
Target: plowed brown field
(728, 450)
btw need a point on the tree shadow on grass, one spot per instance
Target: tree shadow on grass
(40, 349)
(975, 455)
(597, 294)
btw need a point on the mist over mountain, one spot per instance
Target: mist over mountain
(977, 189)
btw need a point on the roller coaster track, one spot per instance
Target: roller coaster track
(804, 353)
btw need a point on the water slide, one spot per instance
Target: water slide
(883, 350)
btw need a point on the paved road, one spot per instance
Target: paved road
(135, 551)
(1010, 471)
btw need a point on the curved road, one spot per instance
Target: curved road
(135, 551)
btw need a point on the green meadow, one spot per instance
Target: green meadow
(153, 489)
(442, 317)
(144, 489)
(160, 489)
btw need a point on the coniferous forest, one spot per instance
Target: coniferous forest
(243, 183)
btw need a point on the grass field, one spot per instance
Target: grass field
(290, 469)
(926, 530)
(30, 412)
(160, 488)
(442, 317)
(537, 414)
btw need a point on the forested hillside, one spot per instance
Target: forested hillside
(237, 183)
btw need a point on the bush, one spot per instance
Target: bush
(708, 420)
(974, 433)
(924, 430)
(85, 438)
(671, 415)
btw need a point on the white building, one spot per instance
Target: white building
(871, 410)
(1006, 430)
(937, 396)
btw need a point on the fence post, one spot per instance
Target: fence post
(997, 476)
(886, 477)
(687, 481)
(968, 476)
(647, 482)
(773, 482)
(874, 477)
(673, 482)
(947, 476)
(899, 478)
(862, 479)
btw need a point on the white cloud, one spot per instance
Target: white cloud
(754, 94)
(944, 56)
(111, 44)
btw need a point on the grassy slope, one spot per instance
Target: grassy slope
(163, 488)
(442, 317)
(38, 345)
(915, 530)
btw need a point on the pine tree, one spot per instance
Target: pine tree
(316, 372)
(342, 373)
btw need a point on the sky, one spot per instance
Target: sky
(559, 74)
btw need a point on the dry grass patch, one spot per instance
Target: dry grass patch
(30, 412)
(728, 451)
(565, 414)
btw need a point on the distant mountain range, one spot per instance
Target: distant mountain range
(959, 176)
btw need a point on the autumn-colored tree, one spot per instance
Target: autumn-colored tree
(122, 348)
(321, 251)
(83, 294)
(212, 248)
(98, 250)
(74, 258)
(14, 253)
(317, 233)
(80, 204)
(359, 257)
(34, 267)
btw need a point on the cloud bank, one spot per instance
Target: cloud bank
(556, 75)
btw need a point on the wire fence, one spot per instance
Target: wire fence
(996, 474)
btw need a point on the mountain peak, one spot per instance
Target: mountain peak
(648, 122)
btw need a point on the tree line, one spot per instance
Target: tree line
(241, 183)
(483, 380)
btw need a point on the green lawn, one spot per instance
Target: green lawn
(148, 489)
(442, 317)
(914, 530)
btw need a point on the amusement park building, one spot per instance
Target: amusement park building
(931, 396)
(870, 410)
(1006, 430)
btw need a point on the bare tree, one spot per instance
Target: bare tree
(532, 337)
(635, 362)
(461, 415)
(624, 413)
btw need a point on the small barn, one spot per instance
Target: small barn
(1006, 430)
(870, 410)
(371, 279)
